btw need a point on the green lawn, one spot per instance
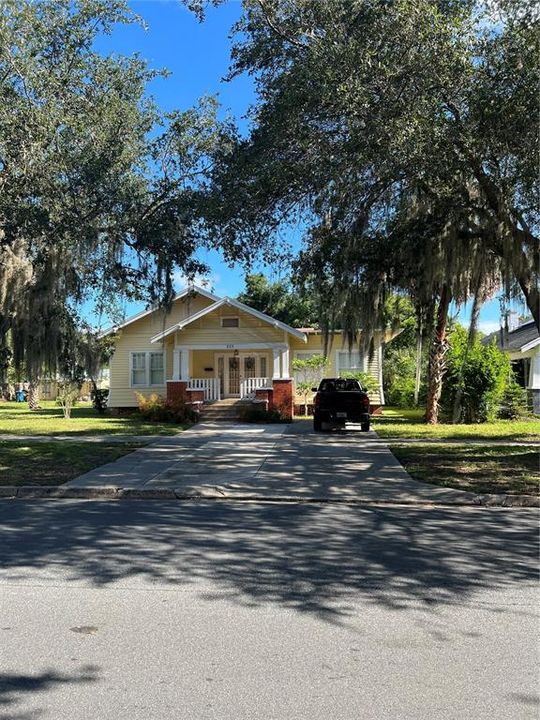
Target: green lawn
(54, 463)
(397, 423)
(17, 419)
(482, 469)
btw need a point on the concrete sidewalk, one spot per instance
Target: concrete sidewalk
(270, 462)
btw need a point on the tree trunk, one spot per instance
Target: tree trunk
(437, 362)
(418, 369)
(473, 325)
(33, 394)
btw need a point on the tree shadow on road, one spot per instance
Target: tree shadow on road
(14, 686)
(313, 558)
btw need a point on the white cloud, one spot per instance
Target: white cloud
(488, 326)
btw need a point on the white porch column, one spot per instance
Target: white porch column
(534, 372)
(176, 365)
(285, 363)
(277, 364)
(184, 363)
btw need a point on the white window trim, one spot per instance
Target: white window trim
(147, 383)
(230, 317)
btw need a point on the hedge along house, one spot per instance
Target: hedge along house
(211, 350)
(522, 343)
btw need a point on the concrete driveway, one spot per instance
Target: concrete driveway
(269, 462)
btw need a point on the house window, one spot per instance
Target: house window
(230, 322)
(262, 366)
(157, 376)
(346, 360)
(138, 368)
(147, 368)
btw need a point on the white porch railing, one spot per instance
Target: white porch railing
(249, 385)
(209, 385)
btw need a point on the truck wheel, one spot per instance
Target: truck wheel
(317, 424)
(365, 427)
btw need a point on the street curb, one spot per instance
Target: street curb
(36, 492)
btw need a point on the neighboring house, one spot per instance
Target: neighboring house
(207, 348)
(48, 387)
(523, 345)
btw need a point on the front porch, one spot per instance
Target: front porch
(232, 371)
(206, 375)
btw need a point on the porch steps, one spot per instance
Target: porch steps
(228, 410)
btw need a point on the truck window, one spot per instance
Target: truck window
(340, 385)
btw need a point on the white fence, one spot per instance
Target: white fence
(249, 385)
(209, 385)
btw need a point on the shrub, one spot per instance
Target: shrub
(484, 372)
(257, 413)
(514, 402)
(309, 373)
(156, 409)
(68, 394)
(401, 393)
(99, 400)
(399, 371)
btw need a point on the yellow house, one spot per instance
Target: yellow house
(219, 348)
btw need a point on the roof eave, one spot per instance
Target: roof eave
(144, 313)
(530, 345)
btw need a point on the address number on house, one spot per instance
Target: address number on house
(229, 347)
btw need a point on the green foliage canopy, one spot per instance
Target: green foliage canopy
(98, 189)
(278, 300)
(375, 119)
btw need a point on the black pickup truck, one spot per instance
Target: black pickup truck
(340, 400)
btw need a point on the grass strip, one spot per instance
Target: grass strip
(17, 419)
(481, 469)
(54, 463)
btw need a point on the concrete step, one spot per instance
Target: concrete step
(228, 409)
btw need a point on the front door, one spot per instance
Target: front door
(233, 364)
(232, 369)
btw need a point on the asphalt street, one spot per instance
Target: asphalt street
(133, 610)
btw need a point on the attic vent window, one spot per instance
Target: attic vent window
(228, 322)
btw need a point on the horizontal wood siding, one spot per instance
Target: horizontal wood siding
(208, 330)
(315, 344)
(201, 359)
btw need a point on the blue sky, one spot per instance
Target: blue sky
(197, 56)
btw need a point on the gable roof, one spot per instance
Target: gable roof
(523, 338)
(195, 289)
(239, 306)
